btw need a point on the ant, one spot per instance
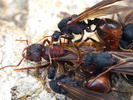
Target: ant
(69, 86)
(108, 30)
(50, 52)
(119, 67)
(127, 37)
(76, 23)
(95, 63)
(126, 40)
(92, 64)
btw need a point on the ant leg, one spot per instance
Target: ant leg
(73, 51)
(42, 38)
(128, 81)
(90, 22)
(129, 46)
(88, 38)
(41, 66)
(97, 25)
(78, 51)
(127, 49)
(63, 64)
(46, 40)
(119, 18)
(13, 65)
(50, 55)
(68, 38)
(80, 38)
(61, 48)
(78, 65)
(81, 73)
(23, 40)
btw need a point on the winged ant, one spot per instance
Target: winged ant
(70, 87)
(57, 53)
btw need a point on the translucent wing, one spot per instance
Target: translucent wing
(124, 68)
(107, 10)
(129, 18)
(127, 67)
(84, 14)
(81, 94)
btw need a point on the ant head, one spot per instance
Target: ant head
(33, 52)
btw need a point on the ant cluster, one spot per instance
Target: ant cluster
(95, 61)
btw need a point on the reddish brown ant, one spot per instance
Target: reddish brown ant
(108, 30)
(70, 87)
(35, 52)
(101, 85)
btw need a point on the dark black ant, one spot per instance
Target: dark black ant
(93, 64)
(70, 87)
(120, 67)
(76, 28)
(56, 35)
(104, 59)
(126, 41)
(51, 73)
(65, 80)
(127, 36)
(62, 79)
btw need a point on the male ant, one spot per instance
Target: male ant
(127, 36)
(119, 67)
(72, 88)
(93, 64)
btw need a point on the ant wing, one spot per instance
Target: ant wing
(127, 66)
(124, 68)
(122, 54)
(107, 10)
(81, 94)
(129, 18)
(93, 9)
(70, 57)
(74, 55)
